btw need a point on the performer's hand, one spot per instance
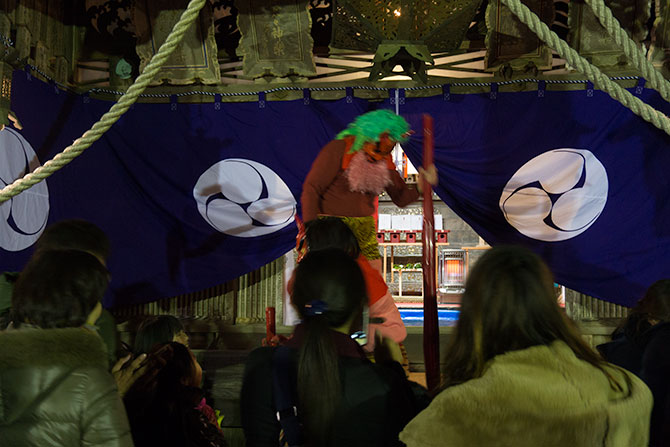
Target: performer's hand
(430, 175)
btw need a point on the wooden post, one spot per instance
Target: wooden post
(270, 324)
(431, 347)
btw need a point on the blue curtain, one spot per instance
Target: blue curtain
(193, 195)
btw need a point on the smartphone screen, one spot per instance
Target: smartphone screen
(360, 327)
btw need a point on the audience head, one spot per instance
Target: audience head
(329, 288)
(655, 305)
(60, 288)
(161, 405)
(173, 375)
(75, 234)
(331, 232)
(329, 293)
(159, 330)
(180, 369)
(509, 304)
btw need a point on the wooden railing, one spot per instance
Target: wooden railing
(240, 301)
(582, 307)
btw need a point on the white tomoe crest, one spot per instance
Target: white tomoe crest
(24, 216)
(557, 195)
(244, 198)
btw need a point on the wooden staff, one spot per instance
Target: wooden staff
(431, 342)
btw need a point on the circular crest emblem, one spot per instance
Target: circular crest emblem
(557, 195)
(244, 198)
(23, 217)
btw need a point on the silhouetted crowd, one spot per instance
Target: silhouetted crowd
(516, 371)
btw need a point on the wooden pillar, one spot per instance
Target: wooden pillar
(5, 24)
(58, 33)
(22, 20)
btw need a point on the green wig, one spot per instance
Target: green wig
(368, 127)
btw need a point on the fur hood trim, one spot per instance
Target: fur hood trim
(543, 395)
(70, 347)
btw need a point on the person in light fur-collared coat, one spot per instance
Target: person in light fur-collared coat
(55, 389)
(519, 374)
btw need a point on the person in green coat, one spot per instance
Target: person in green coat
(55, 386)
(7, 280)
(73, 234)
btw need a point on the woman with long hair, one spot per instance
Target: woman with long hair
(334, 395)
(332, 232)
(518, 373)
(167, 408)
(642, 345)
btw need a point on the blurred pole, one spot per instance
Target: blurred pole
(270, 325)
(431, 342)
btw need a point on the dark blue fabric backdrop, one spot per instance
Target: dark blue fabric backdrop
(481, 142)
(137, 181)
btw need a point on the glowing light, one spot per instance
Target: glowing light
(396, 12)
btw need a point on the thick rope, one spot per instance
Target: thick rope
(114, 113)
(632, 51)
(592, 72)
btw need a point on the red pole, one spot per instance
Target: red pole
(270, 324)
(431, 343)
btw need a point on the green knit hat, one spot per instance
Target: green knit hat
(369, 126)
